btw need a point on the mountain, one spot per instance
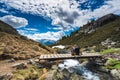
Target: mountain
(14, 45)
(96, 32)
(47, 42)
(7, 28)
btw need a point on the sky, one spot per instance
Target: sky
(53, 19)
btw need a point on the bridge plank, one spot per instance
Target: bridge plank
(67, 56)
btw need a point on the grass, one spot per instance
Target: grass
(111, 50)
(117, 66)
(109, 30)
(13, 46)
(113, 64)
(31, 73)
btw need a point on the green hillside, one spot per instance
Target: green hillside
(110, 28)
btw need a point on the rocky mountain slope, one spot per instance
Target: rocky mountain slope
(96, 32)
(13, 45)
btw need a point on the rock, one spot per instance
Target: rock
(65, 75)
(71, 70)
(75, 77)
(20, 66)
(50, 75)
(11, 60)
(31, 61)
(107, 62)
(36, 60)
(58, 75)
(6, 76)
(54, 67)
(115, 73)
(84, 63)
(42, 61)
(44, 70)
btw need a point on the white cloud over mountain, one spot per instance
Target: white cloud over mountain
(14, 21)
(64, 13)
(48, 35)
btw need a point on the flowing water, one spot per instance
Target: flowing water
(73, 66)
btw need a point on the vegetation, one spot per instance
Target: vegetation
(14, 45)
(112, 55)
(107, 30)
(113, 64)
(31, 73)
(111, 50)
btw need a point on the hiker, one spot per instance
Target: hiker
(72, 51)
(75, 50)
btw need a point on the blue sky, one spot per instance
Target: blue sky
(53, 19)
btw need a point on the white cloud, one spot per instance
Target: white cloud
(14, 21)
(64, 13)
(111, 6)
(3, 11)
(55, 28)
(31, 29)
(48, 35)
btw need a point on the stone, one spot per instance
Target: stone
(31, 61)
(44, 70)
(115, 73)
(75, 77)
(20, 66)
(54, 67)
(11, 60)
(42, 61)
(6, 76)
(36, 60)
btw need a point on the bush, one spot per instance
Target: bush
(113, 64)
(23, 37)
(99, 48)
(111, 50)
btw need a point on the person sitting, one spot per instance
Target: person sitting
(77, 50)
(72, 51)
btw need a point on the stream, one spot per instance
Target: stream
(73, 66)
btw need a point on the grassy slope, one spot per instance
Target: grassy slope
(107, 31)
(19, 47)
(13, 45)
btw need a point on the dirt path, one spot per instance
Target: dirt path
(6, 67)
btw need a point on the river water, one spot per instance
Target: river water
(73, 66)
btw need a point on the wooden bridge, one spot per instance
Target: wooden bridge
(68, 56)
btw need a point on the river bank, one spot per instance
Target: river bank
(64, 70)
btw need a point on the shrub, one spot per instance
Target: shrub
(23, 37)
(113, 64)
(111, 50)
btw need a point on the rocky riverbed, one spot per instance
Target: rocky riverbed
(70, 69)
(80, 71)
